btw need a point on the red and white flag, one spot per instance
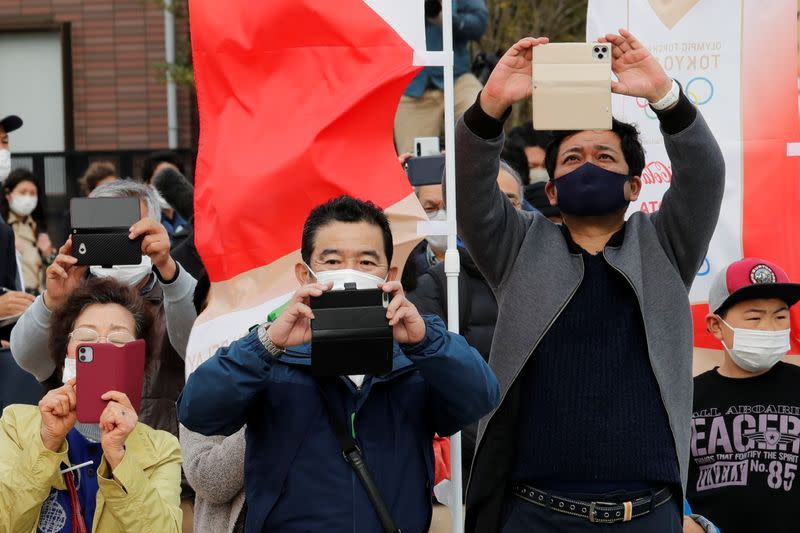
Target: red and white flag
(297, 101)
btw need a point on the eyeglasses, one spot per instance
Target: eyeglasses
(90, 336)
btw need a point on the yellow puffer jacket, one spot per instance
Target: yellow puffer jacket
(146, 499)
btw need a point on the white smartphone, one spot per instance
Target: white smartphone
(426, 146)
(572, 86)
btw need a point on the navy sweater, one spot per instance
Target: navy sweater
(590, 408)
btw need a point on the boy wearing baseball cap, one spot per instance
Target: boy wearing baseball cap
(746, 422)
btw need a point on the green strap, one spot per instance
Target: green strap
(353, 424)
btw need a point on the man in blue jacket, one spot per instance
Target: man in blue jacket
(296, 478)
(421, 109)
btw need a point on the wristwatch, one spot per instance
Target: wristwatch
(266, 341)
(670, 98)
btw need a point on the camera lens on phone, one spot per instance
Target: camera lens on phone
(604, 49)
(600, 56)
(596, 49)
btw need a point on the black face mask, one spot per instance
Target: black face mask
(590, 190)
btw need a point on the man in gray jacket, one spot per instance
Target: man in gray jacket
(596, 378)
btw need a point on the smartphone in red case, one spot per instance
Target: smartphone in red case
(103, 367)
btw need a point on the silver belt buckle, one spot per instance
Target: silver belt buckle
(593, 509)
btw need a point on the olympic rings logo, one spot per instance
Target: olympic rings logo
(699, 90)
(705, 270)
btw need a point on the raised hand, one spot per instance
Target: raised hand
(156, 245)
(58, 415)
(117, 421)
(62, 277)
(293, 325)
(408, 327)
(14, 303)
(638, 72)
(511, 80)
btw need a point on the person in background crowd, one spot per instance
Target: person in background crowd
(7, 125)
(421, 109)
(430, 251)
(98, 173)
(514, 155)
(178, 191)
(133, 483)
(746, 422)
(296, 476)
(477, 306)
(20, 198)
(13, 300)
(214, 465)
(167, 289)
(533, 143)
(170, 218)
(593, 342)
(536, 195)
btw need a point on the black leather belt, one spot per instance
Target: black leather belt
(595, 512)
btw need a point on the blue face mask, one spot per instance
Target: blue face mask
(590, 190)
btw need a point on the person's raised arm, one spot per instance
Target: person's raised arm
(487, 222)
(30, 333)
(463, 386)
(690, 208)
(218, 395)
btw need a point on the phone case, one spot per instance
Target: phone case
(103, 367)
(106, 249)
(350, 333)
(572, 86)
(425, 170)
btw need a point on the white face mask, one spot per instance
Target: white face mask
(23, 204)
(755, 350)
(340, 277)
(538, 175)
(437, 242)
(129, 275)
(5, 163)
(70, 370)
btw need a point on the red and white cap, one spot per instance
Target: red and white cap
(749, 279)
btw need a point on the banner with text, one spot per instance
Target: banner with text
(740, 71)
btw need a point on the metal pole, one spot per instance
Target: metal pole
(172, 92)
(452, 265)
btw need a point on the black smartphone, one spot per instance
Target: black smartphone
(425, 170)
(99, 228)
(350, 333)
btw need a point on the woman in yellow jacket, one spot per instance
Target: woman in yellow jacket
(133, 482)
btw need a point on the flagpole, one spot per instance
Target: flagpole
(452, 264)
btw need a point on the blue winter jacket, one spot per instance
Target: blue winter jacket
(470, 19)
(295, 476)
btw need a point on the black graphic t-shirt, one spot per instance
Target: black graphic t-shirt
(745, 448)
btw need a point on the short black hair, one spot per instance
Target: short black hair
(525, 135)
(345, 209)
(155, 159)
(632, 149)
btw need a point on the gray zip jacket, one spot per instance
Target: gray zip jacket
(30, 334)
(528, 264)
